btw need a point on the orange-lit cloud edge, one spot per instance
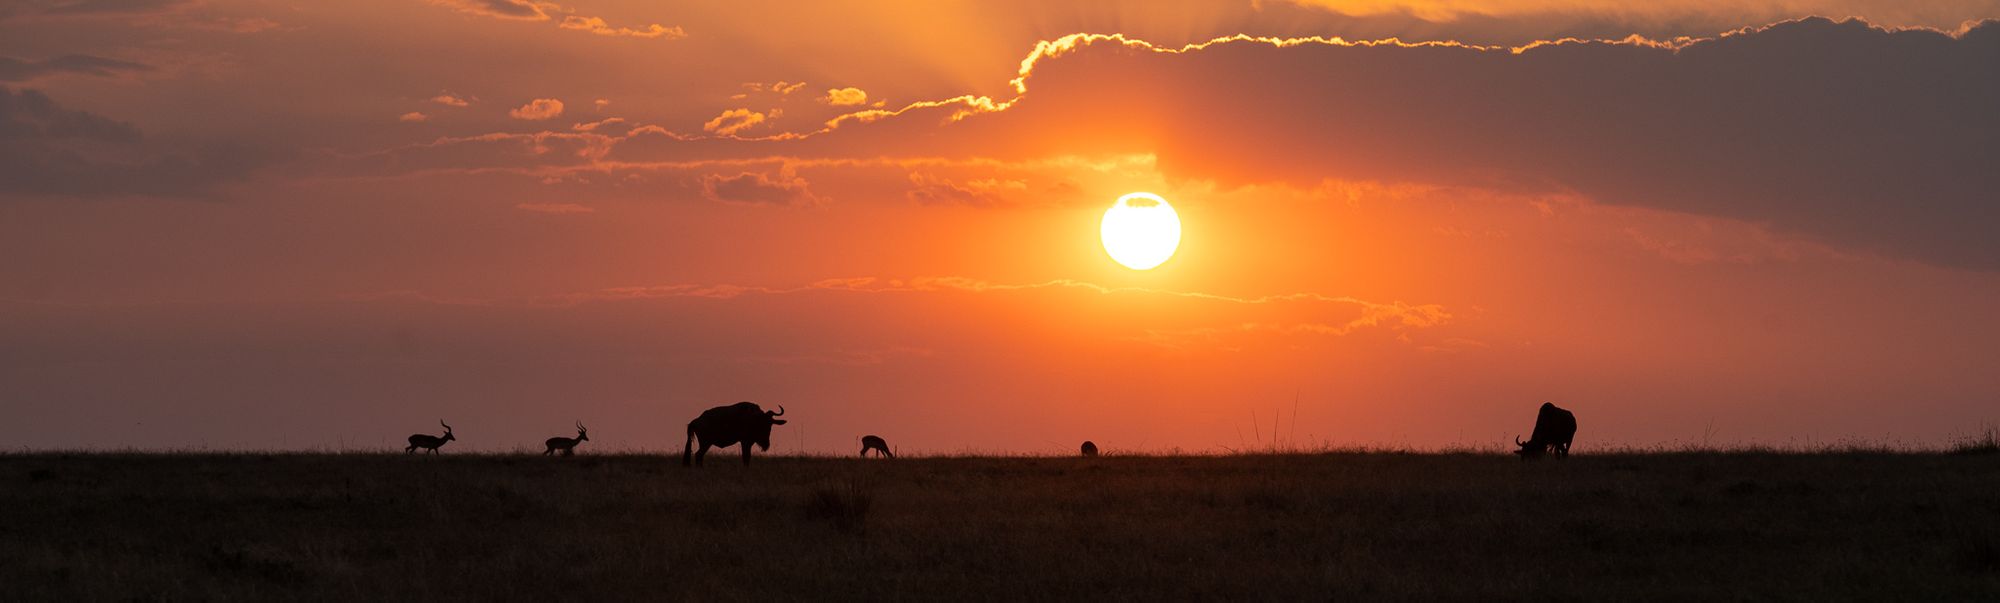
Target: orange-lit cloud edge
(592, 148)
(584, 142)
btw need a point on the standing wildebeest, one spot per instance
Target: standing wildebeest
(742, 422)
(424, 440)
(567, 445)
(877, 444)
(1554, 429)
(1089, 448)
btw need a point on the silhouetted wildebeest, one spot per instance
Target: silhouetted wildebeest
(877, 444)
(567, 445)
(1554, 429)
(742, 422)
(1089, 448)
(424, 440)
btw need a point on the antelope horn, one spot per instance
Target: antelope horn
(446, 427)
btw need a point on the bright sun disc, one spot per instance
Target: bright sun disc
(1141, 231)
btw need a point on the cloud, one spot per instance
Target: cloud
(538, 109)
(598, 26)
(732, 121)
(91, 8)
(926, 189)
(1857, 136)
(450, 100)
(757, 188)
(412, 116)
(21, 70)
(49, 150)
(605, 124)
(844, 97)
(535, 10)
(520, 10)
(1445, 11)
(27, 115)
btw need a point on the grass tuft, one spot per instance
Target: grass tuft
(1985, 442)
(844, 505)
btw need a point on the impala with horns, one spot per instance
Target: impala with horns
(567, 445)
(740, 423)
(430, 442)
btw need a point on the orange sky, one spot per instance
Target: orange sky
(236, 224)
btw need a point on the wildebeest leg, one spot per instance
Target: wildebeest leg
(700, 454)
(412, 448)
(746, 453)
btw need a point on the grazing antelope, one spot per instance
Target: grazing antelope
(567, 445)
(1089, 448)
(877, 444)
(424, 440)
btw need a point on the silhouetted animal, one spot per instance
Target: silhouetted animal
(567, 445)
(424, 440)
(877, 444)
(1554, 429)
(742, 422)
(1089, 448)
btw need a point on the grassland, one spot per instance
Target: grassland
(1307, 526)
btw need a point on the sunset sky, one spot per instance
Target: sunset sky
(326, 225)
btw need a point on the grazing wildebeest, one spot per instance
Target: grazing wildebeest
(1089, 448)
(1554, 429)
(567, 445)
(877, 444)
(742, 422)
(424, 440)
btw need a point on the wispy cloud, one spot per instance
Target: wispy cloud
(21, 70)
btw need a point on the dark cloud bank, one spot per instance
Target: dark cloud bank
(1864, 137)
(47, 150)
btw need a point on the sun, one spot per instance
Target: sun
(1141, 231)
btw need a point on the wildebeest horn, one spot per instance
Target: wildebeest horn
(780, 413)
(1517, 439)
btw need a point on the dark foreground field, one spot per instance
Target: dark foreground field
(459, 527)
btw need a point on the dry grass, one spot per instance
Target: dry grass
(1986, 441)
(1667, 526)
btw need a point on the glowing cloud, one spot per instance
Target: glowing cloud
(597, 25)
(538, 109)
(844, 97)
(732, 121)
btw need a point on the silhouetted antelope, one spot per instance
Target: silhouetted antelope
(567, 445)
(877, 444)
(1089, 448)
(424, 440)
